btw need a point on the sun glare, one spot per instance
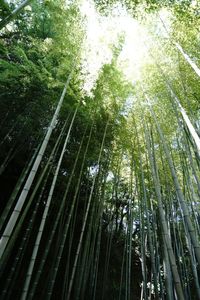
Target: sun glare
(102, 33)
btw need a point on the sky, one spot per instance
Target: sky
(103, 32)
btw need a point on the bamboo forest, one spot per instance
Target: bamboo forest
(100, 149)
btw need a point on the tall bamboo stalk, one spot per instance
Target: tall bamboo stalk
(176, 277)
(85, 218)
(22, 198)
(32, 196)
(180, 49)
(64, 233)
(185, 211)
(42, 224)
(16, 190)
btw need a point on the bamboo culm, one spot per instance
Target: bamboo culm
(22, 198)
(61, 241)
(176, 277)
(85, 218)
(183, 205)
(42, 224)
